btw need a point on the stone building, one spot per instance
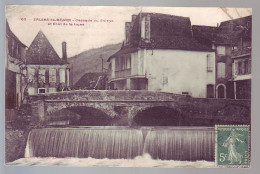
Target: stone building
(231, 41)
(46, 71)
(14, 70)
(160, 54)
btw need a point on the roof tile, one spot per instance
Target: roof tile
(41, 52)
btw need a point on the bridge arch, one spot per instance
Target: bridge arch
(80, 116)
(158, 116)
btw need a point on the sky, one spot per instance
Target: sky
(107, 25)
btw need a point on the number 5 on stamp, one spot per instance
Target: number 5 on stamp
(232, 146)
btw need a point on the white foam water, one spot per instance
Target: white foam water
(139, 161)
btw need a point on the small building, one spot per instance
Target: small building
(46, 71)
(160, 54)
(14, 70)
(91, 81)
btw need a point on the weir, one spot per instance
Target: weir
(166, 143)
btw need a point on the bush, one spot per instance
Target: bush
(23, 118)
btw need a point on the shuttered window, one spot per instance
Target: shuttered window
(210, 63)
(143, 28)
(62, 75)
(52, 75)
(221, 70)
(42, 75)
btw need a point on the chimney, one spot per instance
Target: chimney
(134, 17)
(64, 51)
(127, 32)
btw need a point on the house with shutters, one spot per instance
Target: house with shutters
(160, 54)
(46, 71)
(231, 41)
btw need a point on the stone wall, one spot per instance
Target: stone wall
(15, 143)
(107, 95)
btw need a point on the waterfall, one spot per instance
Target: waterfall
(125, 143)
(83, 143)
(181, 144)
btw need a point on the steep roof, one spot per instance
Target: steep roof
(208, 34)
(228, 32)
(11, 34)
(166, 32)
(41, 52)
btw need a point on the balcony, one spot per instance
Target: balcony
(241, 52)
(122, 73)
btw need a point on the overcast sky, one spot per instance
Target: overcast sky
(97, 34)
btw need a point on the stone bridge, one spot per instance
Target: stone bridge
(137, 108)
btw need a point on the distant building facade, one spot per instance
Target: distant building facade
(232, 44)
(46, 71)
(14, 70)
(160, 54)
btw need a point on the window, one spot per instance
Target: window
(221, 50)
(240, 69)
(243, 67)
(62, 75)
(209, 63)
(246, 67)
(165, 80)
(221, 70)
(128, 64)
(210, 91)
(123, 62)
(249, 66)
(41, 90)
(68, 77)
(143, 28)
(42, 75)
(52, 75)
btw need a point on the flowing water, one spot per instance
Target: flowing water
(120, 146)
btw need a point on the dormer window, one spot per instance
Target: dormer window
(145, 28)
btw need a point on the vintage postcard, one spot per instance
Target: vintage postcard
(128, 86)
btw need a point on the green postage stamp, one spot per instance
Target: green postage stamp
(232, 146)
